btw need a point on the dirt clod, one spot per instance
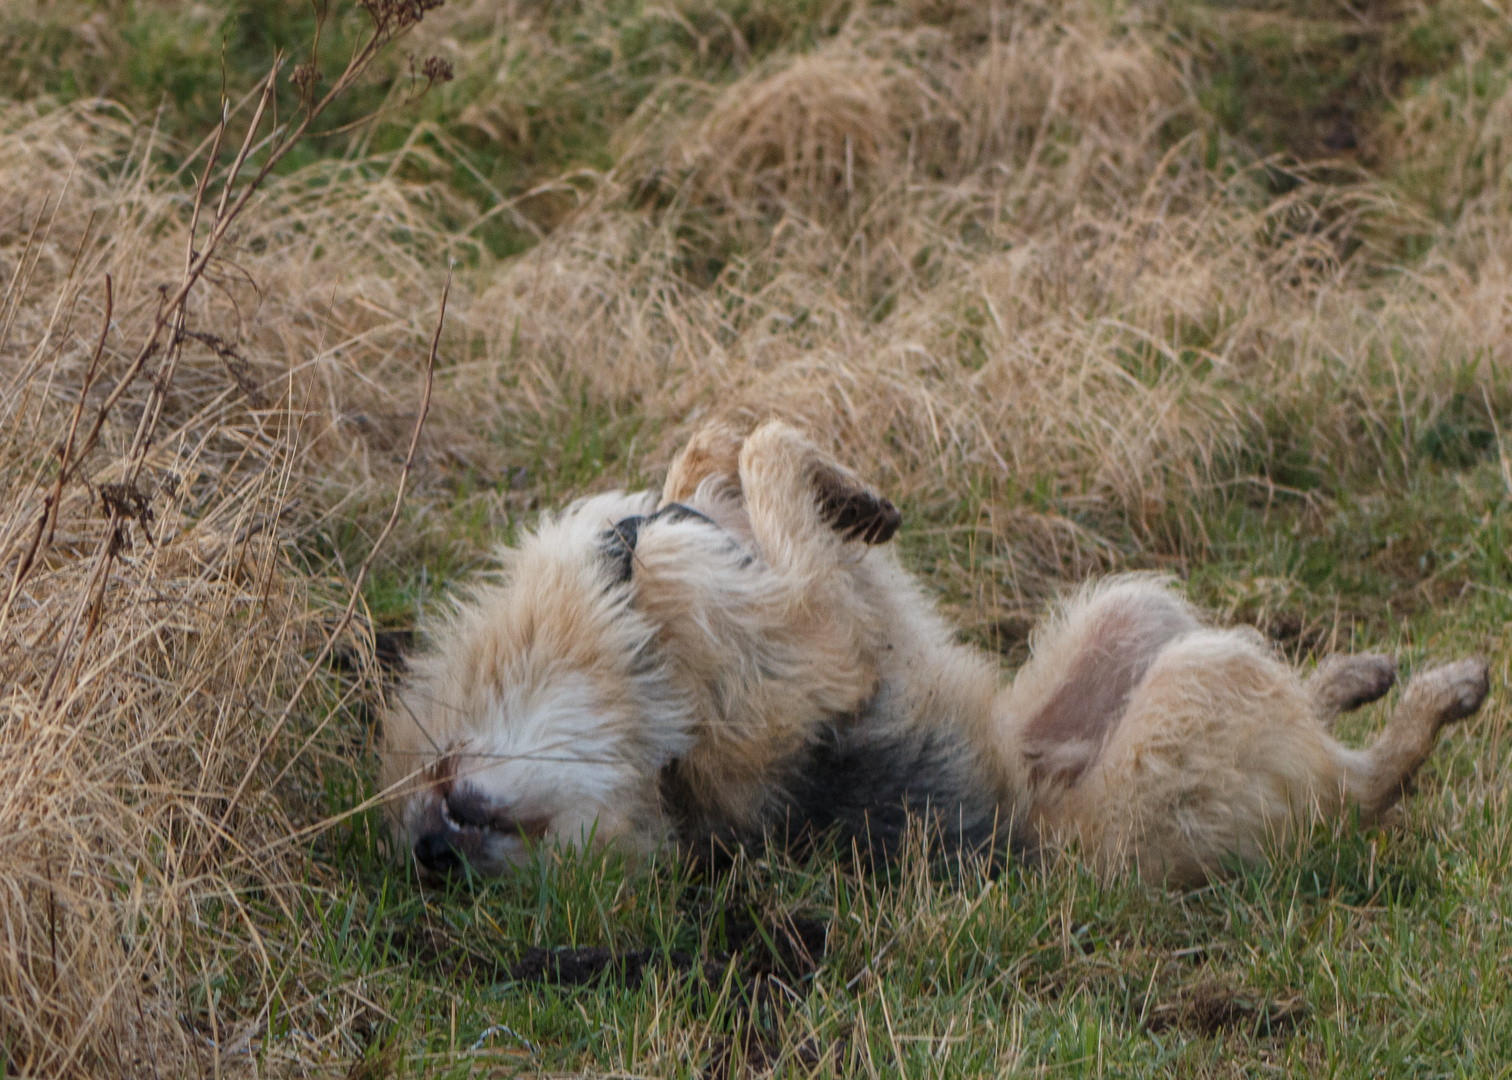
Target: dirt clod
(432, 948)
(754, 1051)
(796, 946)
(583, 967)
(790, 948)
(1214, 1006)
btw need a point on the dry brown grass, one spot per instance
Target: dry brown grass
(1034, 286)
(130, 683)
(152, 626)
(971, 250)
(1450, 143)
(803, 136)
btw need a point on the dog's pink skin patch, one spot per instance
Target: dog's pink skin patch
(1065, 737)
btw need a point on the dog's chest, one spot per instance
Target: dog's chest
(861, 781)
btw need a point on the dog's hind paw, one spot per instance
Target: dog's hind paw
(1456, 690)
(1344, 683)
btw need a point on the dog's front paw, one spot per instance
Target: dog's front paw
(853, 511)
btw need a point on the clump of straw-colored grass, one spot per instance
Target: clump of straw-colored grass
(140, 650)
(971, 250)
(1039, 295)
(806, 135)
(154, 636)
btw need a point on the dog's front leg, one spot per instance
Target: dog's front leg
(785, 642)
(792, 479)
(803, 506)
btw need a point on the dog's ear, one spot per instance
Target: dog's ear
(851, 508)
(618, 545)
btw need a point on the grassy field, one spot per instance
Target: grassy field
(1219, 289)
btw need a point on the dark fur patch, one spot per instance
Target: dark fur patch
(865, 791)
(853, 511)
(859, 791)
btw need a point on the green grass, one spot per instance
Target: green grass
(1309, 79)
(547, 96)
(1357, 953)
(524, 109)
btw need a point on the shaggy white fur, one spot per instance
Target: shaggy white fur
(739, 659)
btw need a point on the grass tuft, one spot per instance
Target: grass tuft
(1083, 286)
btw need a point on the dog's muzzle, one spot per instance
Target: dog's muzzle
(434, 852)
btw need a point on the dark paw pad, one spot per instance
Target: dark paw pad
(854, 512)
(1348, 682)
(1466, 685)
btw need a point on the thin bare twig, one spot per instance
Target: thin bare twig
(387, 25)
(48, 520)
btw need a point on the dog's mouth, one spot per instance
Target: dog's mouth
(467, 808)
(460, 830)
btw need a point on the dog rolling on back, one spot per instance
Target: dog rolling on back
(743, 659)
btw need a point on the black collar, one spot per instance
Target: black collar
(619, 540)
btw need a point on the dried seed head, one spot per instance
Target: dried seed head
(435, 69)
(305, 76)
(392, 16)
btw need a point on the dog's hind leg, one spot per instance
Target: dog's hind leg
(1086, 662)
(1343, 683)
(1378, 777)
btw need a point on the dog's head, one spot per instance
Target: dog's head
(542, 711)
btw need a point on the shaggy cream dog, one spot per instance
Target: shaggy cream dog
(738, 660)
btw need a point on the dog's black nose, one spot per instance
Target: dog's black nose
(435, 852)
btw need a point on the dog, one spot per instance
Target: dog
(741, 659)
